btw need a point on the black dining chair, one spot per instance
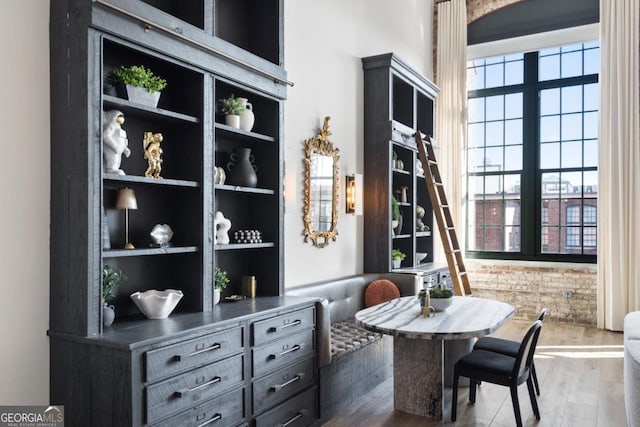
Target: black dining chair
(509, 348)
(495, 368)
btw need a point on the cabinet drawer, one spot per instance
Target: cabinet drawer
(283, 325)
(282, 352)
(279, 386)
(192, 388)
(299, 411)
(223, 411)
(180, 357)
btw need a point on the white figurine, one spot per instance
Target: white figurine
(115, 142)
(222, 226)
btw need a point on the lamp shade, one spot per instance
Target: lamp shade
(126, 199)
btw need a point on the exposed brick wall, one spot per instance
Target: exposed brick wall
(530, 286)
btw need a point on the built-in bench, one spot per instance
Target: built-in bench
(632, 367)
(351, 359)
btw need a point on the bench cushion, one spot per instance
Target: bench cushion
(347, 337)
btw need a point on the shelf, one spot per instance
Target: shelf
(143, 111)
(232, 246)
(151, 181)
(402, 236)
(401, 171)
(423, 234)
(118, 253)
(240, 134)
(239, 189)
(405, 204)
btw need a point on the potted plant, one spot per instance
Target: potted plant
(397, 256)
(220, 282)
(111, 278)
(232, 107)
(142, 86)
(396, 218)
(441, 298)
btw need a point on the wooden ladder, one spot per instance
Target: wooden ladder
(443, 216)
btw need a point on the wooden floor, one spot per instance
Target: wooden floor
(580, 371)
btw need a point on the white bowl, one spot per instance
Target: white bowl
(441, 304)
(157, 304)
(420, 256)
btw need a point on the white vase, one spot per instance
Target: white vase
(108, 314)
(140, 95)
(232, 120)
(247, 118)
(216, 296)
(396, 263)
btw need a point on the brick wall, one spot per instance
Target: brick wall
(530, 286)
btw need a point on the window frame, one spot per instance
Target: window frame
(531, 201)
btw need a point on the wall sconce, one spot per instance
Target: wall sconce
(353, 196)
(126, 200)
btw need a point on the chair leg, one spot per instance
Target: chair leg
(535, 378)
(534, 401)
(454, 398)
(516, 404)
(472, 390)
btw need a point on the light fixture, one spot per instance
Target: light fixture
(353, 194)
(126, 200)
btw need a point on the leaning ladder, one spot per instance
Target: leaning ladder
(443, 216)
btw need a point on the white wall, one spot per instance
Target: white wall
(324, 41)
(24, 217)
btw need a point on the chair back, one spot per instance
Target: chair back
(527, 349)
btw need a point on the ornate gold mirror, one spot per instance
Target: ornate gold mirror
(320, 188)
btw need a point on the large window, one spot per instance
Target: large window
(532, 154)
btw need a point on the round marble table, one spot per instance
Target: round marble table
(426, 348)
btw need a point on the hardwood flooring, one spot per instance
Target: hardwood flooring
(580, 370)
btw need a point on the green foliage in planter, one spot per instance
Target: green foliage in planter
(395, 209)
(220, 279)
(440, 293)
(111, 278)
(136, 75)
(232, 105)
(398, 254)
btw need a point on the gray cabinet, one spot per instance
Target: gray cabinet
(398, 101)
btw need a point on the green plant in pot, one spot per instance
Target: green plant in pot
(397, 256)
(396, 217)
(142, 85)
(220, 282)
(441, 298)
(232, 107)
(111, 278)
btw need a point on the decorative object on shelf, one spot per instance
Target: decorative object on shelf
(157, 304)
(234, 298)
(242, 169)
(161, 235)
(441, 298)
(142, 86)
(402, 191)
(126, 200)
(396, 216)
(220, 176)
(153, 154)
(420, 212)
(321, 179)
(249, 286)
(420, 256)
(247, 118)
(222, 226)
(419, 168)
(111, 278)
(220, 282)
(114, 141)
(397, 256)
(106, 238)
(247, 236)
(232, 107)
(427, 309)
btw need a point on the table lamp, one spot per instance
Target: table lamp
(126, 200)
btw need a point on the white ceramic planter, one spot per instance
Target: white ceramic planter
(232, 120)
(441, 304)
(140, 95)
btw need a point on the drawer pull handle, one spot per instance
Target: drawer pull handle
(291, 350)
(279, 387)
(299, 415)
(183, 357)
(288, 325)
(185, 391)
(216, 417)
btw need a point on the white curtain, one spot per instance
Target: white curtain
(619, 164)
(451, 107)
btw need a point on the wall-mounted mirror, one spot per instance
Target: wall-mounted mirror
(320, 188)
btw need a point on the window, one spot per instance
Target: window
(532, 154)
